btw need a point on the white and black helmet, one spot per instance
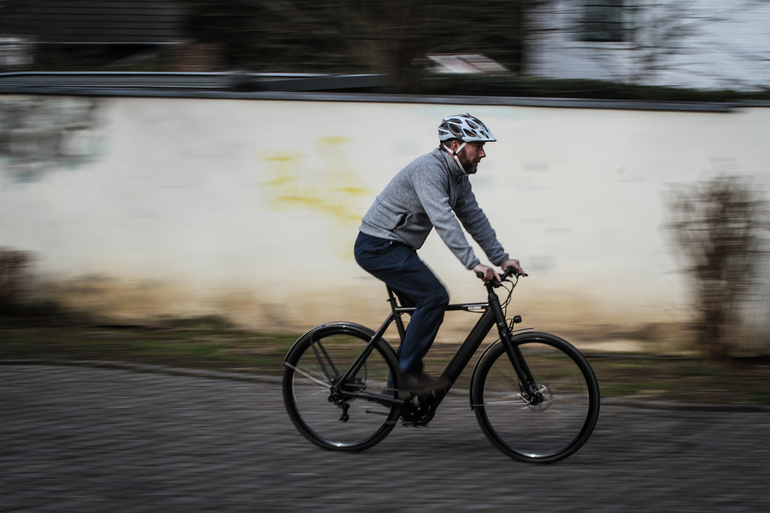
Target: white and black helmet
(466, 128)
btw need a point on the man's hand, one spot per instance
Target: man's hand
(488, 274)
(512, 262)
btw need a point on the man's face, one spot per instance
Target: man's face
(471, 155)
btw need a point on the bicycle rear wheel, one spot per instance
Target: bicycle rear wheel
(559, 422)
(315, 364)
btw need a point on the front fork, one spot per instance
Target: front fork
(526, 381)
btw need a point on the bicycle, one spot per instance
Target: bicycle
(534, 395)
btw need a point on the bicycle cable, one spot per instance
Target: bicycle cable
(510, 290)
(504, 304)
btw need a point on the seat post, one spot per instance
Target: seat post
(393, 305)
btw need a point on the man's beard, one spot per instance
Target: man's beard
(467, 166)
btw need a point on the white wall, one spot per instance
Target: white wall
(250, 208)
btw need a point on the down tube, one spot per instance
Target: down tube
(469, 347)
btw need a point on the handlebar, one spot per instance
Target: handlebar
(506, 274)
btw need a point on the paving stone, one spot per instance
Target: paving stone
(81, 439)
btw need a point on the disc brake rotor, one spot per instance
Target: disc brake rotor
(544, 398)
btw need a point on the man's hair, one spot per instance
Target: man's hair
(448, 143)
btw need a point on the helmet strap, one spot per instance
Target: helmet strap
(454, 154)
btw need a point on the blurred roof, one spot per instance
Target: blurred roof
(465, 63)
(93, 21)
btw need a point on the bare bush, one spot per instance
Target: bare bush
(719, 228)
(14, 277)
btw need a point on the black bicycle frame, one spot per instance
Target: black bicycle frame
(492, 315)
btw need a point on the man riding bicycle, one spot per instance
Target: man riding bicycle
(432, 191)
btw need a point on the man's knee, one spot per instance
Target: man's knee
(444, 297)
(436, 297)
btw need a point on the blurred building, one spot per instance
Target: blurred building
(682, 43)
(47, 33)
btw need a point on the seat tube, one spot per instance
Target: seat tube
(399, 322)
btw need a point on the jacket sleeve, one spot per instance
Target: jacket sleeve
(476, 223)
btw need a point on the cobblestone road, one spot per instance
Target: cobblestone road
(79, 439)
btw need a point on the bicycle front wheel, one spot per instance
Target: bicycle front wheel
(562, 417)
(315, 365)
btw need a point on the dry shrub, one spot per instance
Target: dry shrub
(719, 227)
(15, 277)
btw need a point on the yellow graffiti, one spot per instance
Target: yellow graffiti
(335, 190)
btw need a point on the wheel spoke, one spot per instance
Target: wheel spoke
(320, 383)
(315, 344)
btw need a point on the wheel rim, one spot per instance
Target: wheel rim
(547, 430)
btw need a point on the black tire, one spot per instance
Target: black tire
(320, 357)
(561, 423)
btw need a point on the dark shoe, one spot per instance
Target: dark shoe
(421, 384)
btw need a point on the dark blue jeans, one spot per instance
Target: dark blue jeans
(415, 285)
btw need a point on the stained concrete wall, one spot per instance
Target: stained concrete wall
(144, 207)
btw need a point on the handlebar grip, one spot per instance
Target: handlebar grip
(508, 272)
(495, 283)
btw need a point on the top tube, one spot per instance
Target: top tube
(468, 307)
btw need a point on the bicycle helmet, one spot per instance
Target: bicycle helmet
(466, 128)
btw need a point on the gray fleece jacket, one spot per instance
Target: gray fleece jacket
(430, 192)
